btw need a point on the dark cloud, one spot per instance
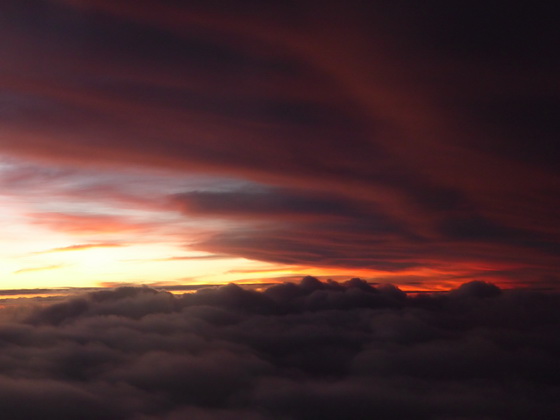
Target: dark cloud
(298, 351)
(268, 203)
(524, 126)
(325, 229)
(314, 245)
(491, 31)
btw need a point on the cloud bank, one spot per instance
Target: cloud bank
(294, 351)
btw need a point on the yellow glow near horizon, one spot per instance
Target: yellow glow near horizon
(33, 256)
(136, 263)
(59, 260)
(74, 243)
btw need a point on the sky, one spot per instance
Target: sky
(167, 143)
(293, 210)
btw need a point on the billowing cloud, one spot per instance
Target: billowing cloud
(308, 350)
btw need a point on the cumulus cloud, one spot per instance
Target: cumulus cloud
(296, 351)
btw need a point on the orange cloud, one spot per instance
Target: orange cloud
(42, 268)
(80, 247)
(87, 223)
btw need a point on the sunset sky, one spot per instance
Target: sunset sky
(291, 209)
(201, 142)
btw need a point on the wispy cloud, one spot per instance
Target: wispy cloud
(39, 268)
(184, 258)
(84, 223)
(81, 247)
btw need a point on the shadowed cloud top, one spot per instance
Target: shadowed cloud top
(296, 351)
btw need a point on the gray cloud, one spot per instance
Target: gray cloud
(297, 351)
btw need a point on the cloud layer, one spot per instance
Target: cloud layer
(295, 351)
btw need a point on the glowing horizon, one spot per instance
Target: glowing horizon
(74, 227)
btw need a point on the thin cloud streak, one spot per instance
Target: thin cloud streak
(80, 247)
(41, 268)
(187, 258)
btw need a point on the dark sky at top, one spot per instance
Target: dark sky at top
(388, 135)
